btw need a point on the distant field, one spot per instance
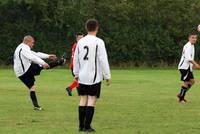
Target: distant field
(138, 102)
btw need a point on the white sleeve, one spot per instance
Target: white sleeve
(29, 55)
(188, 55)
(41, 55)
(103, 58)
(76, 62)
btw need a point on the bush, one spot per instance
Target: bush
(149, 33)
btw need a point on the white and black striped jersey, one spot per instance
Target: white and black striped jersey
(24, 56)
(90, 60)
(187, 56)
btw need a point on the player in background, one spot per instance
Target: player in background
(90, 67)
(74, 84)
(186, 65)
(28, 64)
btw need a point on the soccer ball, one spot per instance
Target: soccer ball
(198, 28)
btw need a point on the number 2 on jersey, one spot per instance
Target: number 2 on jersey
(87, 51)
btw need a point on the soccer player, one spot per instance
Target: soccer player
(90, 68)
(28, 64)
(186, 65)
(74, 83)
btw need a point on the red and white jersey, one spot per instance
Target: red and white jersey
(90, 61)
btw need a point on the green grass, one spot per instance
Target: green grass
(138, 102)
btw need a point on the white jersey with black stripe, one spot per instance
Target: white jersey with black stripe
(24, 56)
(187, 56)
(90, 61)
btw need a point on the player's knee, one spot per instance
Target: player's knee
(83, 101)
(33, 88)
(192, 82)
(92, 101)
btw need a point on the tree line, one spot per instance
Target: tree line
(136, 33)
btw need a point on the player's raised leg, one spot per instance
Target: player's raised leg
(58, 62)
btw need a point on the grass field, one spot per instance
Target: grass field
(138, 102)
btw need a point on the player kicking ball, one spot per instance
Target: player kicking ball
(186, 65)
(90, 67)
(28, 64)
(74, 84)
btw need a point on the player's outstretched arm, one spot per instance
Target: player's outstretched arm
(44, 55)
(29, 55)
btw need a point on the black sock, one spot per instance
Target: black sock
(183, 91)
(34, 98)
(82, 113)
(89, 116)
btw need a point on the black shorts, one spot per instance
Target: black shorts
(186, 75)
(28, 78)
(91, 90)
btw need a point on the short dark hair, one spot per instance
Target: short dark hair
(79, 33)
(192, 33)
(91, 25)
